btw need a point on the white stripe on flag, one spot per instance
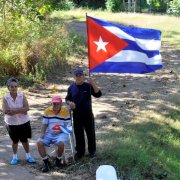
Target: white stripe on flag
(135, 56)
(119, 33)
(143, 43)
(149, 44)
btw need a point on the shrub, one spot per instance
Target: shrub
(63, 5)
(174, 8)
(100, 4)
(34, 48)
(9, 63)
(114, 5)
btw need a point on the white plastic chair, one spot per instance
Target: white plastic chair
(72, 142)
(70, 145)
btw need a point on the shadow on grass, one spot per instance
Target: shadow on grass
(144, 151)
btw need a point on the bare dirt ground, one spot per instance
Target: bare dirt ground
(124, 96)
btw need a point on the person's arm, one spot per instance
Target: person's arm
(43, 130)
(5, 107)
(71, 104)
(22, 110)
(93, 84)
(67, 115)
(96, 92)
(45, 123)
(69, 101)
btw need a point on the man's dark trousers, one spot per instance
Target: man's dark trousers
(84, 122)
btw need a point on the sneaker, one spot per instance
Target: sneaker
(14, 161)
(31, 160)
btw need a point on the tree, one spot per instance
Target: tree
(157, 5)
(174, 8)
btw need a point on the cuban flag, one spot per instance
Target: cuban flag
(114, 48)
(66, 129)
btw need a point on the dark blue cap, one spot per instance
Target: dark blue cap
(78, 71)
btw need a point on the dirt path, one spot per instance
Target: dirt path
(124, 96)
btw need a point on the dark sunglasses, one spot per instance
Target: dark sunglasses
(78, 75)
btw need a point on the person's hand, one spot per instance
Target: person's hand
(72, 105)
(93, 84)
(90, 81)
(7, 111)
(10, 112)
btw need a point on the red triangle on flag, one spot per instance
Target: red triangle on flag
(98, 34)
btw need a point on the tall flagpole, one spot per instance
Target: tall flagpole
(88, 50)
(88, 45)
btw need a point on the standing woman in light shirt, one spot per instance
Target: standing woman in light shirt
(15, 107)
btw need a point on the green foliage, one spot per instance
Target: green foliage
(3, 80)
(26, 8)
(95, 4)
(31, 9)
(47, 51)
(147, 149)
(174, 8)
(3, 91)
(114, 5)
(152, 5)
(157, 5)
(27, 81)
(9, 61)
(64, 5)
(117, 5)
(35, 49)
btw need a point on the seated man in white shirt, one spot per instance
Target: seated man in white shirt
(56, 119)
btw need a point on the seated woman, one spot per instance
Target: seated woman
(54, 130)
(15, 107)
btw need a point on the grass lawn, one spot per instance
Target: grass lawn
(146, 148)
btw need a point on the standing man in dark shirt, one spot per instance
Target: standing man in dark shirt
(79, 99)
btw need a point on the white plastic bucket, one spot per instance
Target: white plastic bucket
(106, 172)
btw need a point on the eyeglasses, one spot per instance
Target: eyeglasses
(13, 86)
(56, 104)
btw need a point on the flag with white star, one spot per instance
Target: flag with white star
(114, 48)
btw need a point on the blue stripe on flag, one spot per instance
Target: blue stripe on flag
(136, 32)
(125, 67)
